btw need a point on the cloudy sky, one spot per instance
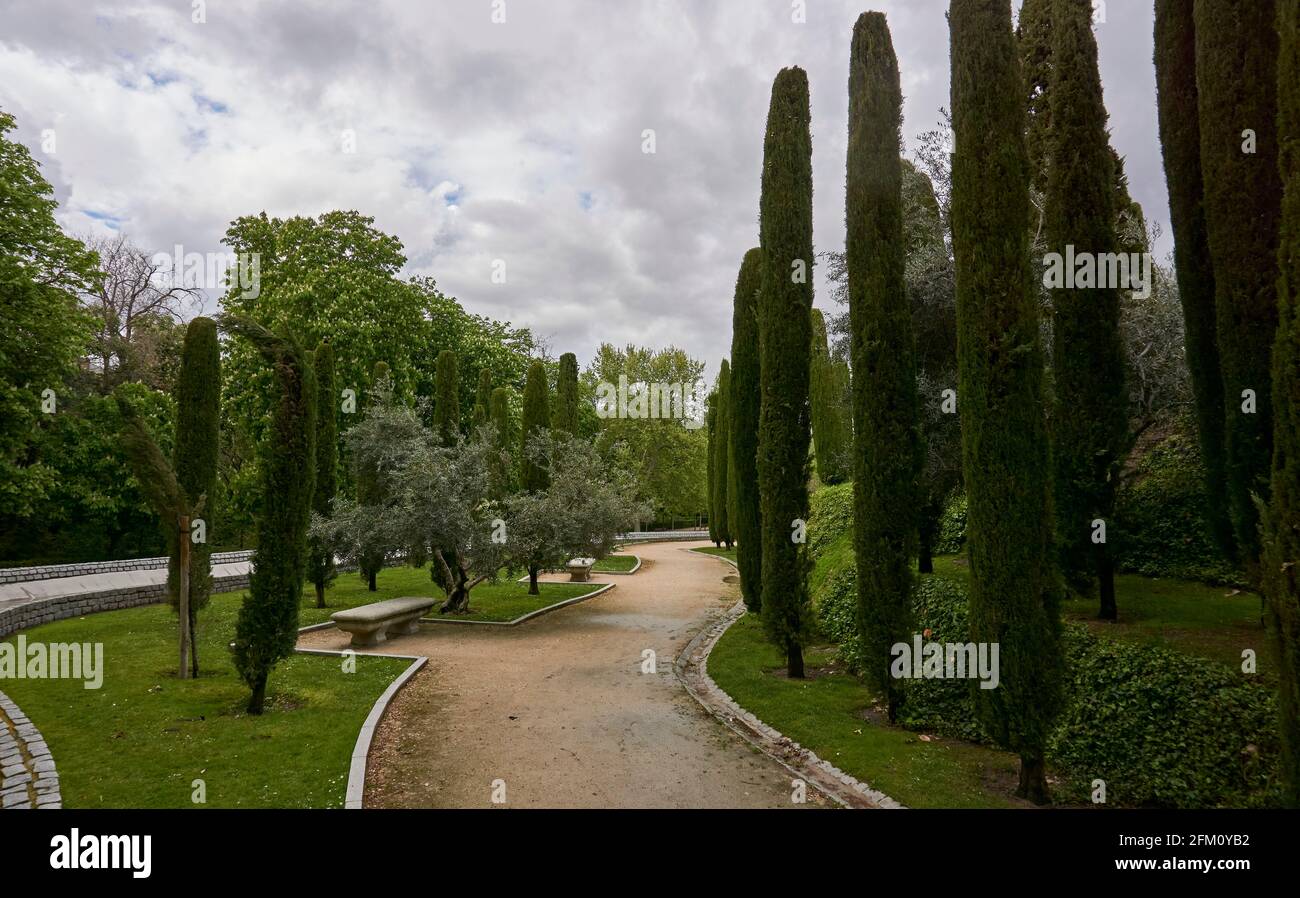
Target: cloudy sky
(477, 141)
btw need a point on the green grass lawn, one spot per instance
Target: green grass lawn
(504, 600)
(619, 563)
(1215, 622)
(145, 736)
(715, 550)
(826, 714)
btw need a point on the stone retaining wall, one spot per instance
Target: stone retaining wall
(44, 610)
(53, 571)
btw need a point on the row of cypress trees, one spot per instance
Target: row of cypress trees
(1233, 206)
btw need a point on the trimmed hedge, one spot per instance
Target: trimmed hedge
(1160, 525)
(1160, 727)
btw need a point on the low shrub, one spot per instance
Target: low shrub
(952, 526)
(1161, 728)
(1160, 528)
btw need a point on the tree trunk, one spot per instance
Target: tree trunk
(1106, 582)
(532, 582)
(794, 661)
(320, 593)
(1033, 780)
(194, 643)
(183, 609)
(371, 575)
(927, 529)
(258, 699)
(925, 559)
(457, 600)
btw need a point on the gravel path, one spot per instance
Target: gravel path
(559, 711)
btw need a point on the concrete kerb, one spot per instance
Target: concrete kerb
(691, 668)
(632, 570)
(523, 618)
(354, 798)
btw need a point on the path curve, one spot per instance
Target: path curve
(559, 709)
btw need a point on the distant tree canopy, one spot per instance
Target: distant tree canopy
(667, 452)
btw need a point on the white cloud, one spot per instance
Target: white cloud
(477, 141)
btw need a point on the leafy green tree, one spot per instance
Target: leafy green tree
(537, 416)
(746, 405)
(334, 277)
(42, 271)
(1281, 530)
(321, 560)
(194, 459)
(885, 414)
(1090, 418)
(722, 452)
(658, 431)
(1015, 594)
(438, 508)
(1180, 140)
(482, 399)
(1236, 81)
(480, 344)
(564, 417)
(267, 628)
(372, 487)
(446, 409)
(502, 432)
(785, 344)
(586, 504)
(831, 434)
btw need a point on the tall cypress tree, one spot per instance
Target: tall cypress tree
(1281, 558)
(321, 562)
(370, 490)
(537, 415)
(746, 403)
(446, 400)
(1180, 140)
(826, 395)
(1014, 594)
(500, 412)
(194, 459)
(267, 628)
(721, 450)
(1090, 418)
(482, 399)
(711, 466)
(1236, 81)
(1034, 39)
(886, 489)
(785, 343)
(565, 415)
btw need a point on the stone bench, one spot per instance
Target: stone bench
(374, 623)
(580, 569)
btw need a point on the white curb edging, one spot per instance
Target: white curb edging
(692, 665)
(522, 618)
(356, 791)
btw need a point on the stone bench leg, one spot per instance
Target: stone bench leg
(406, 627)
(368, 637)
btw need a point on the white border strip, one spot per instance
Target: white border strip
(802, 762)
(526, 617)
(356, 793)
